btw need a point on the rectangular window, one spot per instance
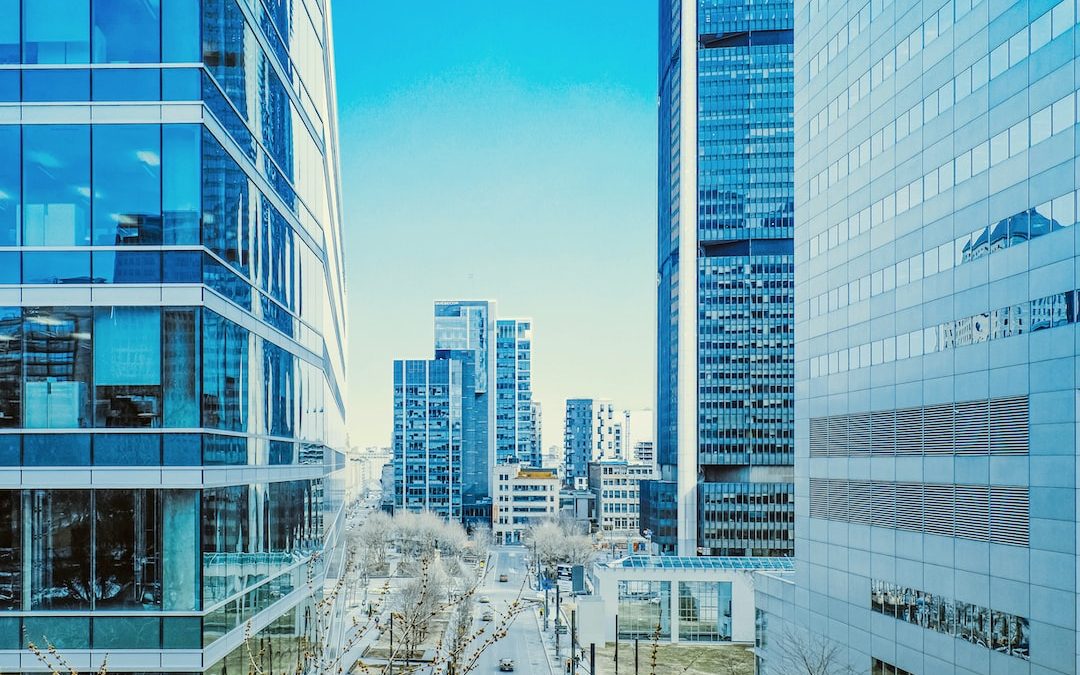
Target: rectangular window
(58, 367)
(127, 366)
(56, 185)
(127, 184)
(10, 185)
(60, 540)
(11, 366)
(56, 31)
(127, 31)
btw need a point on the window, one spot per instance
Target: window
(644, 609)
(127, 366)
(60, 531)
(56, 185)
(127, 184)
(10, 182)
(126, 31)
(58, 367)
(56, 31)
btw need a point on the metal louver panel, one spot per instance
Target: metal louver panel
(909, 431)
(859, 434)
(909, 506)
(973, 512)
(1009, 515)
(972, 435)
(838, 436)
(859, 502)
(938, 423)
(883, 432)
(938, 501)
(819, 436)
(1009, 426)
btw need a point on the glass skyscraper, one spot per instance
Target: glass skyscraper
(465, 332)
(514, 431)
(936, 279)
(171, 330)
(428, 436)
(725, 353)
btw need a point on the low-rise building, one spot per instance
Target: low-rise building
(523, 497)
(617, 489)
(681, 599)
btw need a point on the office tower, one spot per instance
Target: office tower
(428, 436)
(725, 361)
(172, 332)
(513, 395)
(936, 285)
(591, 433)
(465, 331)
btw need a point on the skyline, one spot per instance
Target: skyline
(509, 86)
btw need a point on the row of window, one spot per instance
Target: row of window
(1052, 24)
(937, 102)
(139, 367)
(1051, 216)
(879, 667)
(1000, 631)
(151, 449)
(1055, 310)
(1051, 120)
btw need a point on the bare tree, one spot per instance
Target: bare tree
(802, 653)
(415, 606)
(554, 545)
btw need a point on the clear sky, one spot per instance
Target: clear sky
(500, 150)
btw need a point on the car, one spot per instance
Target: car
(503, 578)
(488, 616)
(484, 600)
(506, 665)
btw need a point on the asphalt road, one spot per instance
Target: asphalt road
(522, 642)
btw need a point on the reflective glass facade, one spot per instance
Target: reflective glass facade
(465, 331)
(428, 436)
(936, 258)
(514, 428)
(725, 353)
(172, 325)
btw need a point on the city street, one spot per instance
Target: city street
(522, 643)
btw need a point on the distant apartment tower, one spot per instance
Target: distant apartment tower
(592, 432)
(936, 277)
(637, 436)
(428, 436)
(514, 434)
(725, 352)
(536, 421)
(465, 332)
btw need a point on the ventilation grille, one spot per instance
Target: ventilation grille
(996, 513)
(998, 426)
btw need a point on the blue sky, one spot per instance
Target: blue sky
(501, 150)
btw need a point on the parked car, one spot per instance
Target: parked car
(506, 665)
(503, 578)
(484, 600)
(488, 616)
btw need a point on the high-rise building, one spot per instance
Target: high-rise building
(514, 440)
(172, 331)
(465, 331)
(725, 353)
(936, 259)
(428, 436)
(536, 422)
(524, 497)
(637, 436)
(591, 433)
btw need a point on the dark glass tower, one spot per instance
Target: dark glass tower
(725, 352)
